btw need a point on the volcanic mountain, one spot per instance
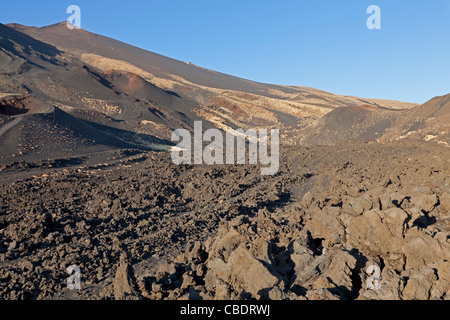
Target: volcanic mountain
(65, 107)
(222, 98)
(82, 117)
(121, 96)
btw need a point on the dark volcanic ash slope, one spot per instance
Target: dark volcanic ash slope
(90, 105)
(222, 99)
(49, 133)
(163, 105)
(429, 122)
(63, 79)
(350, 123)
(19, 52)
(84, 41)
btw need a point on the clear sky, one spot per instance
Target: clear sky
(323, 44)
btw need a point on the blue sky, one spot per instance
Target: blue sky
(323, 44)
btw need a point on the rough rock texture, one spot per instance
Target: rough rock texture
(124, 283)
(154, 230)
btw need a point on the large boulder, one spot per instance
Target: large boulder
(421, 248)
(331, 270)
(241, 265)
(379, 233)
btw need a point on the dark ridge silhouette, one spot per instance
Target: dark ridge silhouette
(30, 48)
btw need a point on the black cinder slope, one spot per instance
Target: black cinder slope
(78, 40)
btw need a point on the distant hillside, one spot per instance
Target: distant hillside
(99, 93)
(429, 122)
(224, 100)
(351, 123)
(37, 131)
